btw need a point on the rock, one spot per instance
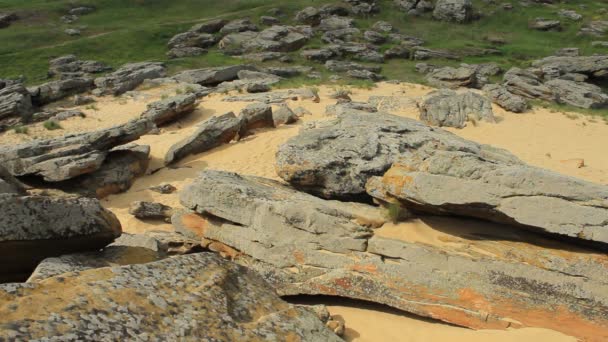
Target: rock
(15, 101)
(459, 11)
(256, 115)
(122, 165)
(335, 23)
(255, 88)
(448, 77)
(399, 51)
(283, 115)
(363, 7)
(318, 55)
(69, 19)
(273, 97)
(6, 19)
(404, 40)
(365, 75)
(212, 76)
(211, 26)
(570, 14)
(66, 114)
(505, 99)
(525, 83)
(341, 36)
(238, 25)
(309, 16)
(594, 66)
(596, 28)
(268, 20)
(9, 184)
(347, 106)
(128, 77)
(81, 100)
(421, 53)
(448, 108)
(192, 39)
(578, 94)
(72, 32)
(222, 301)
(164, 188)
(181, 52)
(150, 210)
(274, 39)
(301, 111)
(57, 90)
(600, 43)
(383, 26)
(306, 245)
(414, 7)
(392, 103)
(425, 68)
(374, 37)
(543, 24)
(264, 56)
(288, 71)
(68, 65)
(212, 133)
(170, 109)
(82, 10)
(78, 224)
(69, 156)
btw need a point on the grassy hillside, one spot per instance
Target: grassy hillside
(123, 31)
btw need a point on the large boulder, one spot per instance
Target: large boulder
(212, 133)
(527, 84)
(460, 11)
(306, 245)
(504, 98)
(556, 66)
(309, 16)
(9, 184)
(339, 157)
(578, 94)
(192, 39)
(37, 227)
(449, 108)
(449, 77)
(543, 24)
(344, 66)
(69, 66)
(238, 25)
(170, 109)
(210, 26)
(596, 28)
(128, 77)
(57, 90)
(69, 156)
(212, 76)
(191, 297)
(15, 101)
(274, 39)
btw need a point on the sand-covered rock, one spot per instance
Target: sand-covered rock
(219, 301)
(128, 77)
(306, 245)
(452, 109)
(37, 227)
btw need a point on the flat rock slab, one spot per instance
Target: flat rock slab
(167, 110)
(36, 227)
(306, 245)
(440, 172)
(193, 297)
(72, 155)
(128, 77)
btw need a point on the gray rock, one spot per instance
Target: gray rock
(305, 245)
(283, 115)
(365, 75)
(66, 114)
(570, 14)
(256, 115)
(81, 100)
(268, 20)
(505, 99)
(72, 32)
(15, 101)
(318, 55)
(69, 156)
(128, 77)
(150, 210)
(170, 109)
(527, 84)
(335, 23)
(421, 53)
(211, 26)
(238, 25)
(181, 52)
(82, 10)
(272, 97)
(341, 36)
(543, 24)
(425, 68)
(578, 94)
(309, 16)
(71, 65)
(212, 133)
(288, 71)
(347, 106)
(192, 39)
(597, 28)
(448, 108)
(220, 301)
(600, 43)
(78, 224)
(399, 51)
(274, 39)
(264, 56)
(254, 88)
(374, 37)
(212, 76)
(392, 103)
(459, 11)
(9, 184)
(383, 26)
(164, 188)
(448, 77)
(57, 90)
(414, 7)
(301, 111)
(593, 66)
(343, 66)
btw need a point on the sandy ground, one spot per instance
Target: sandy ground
(541, 137)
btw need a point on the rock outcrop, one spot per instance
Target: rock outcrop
(277, 38)
(305, 245)
(57, 90)
(128, 77)
(504, 98)
(10, 184)
(167, 110)
(578, 94)
(69, 66)
(525, 83)
(37, 227)
(459, 11)
(220, 301)
(150, 211)
(212, 76)
(69, 156)
(15, 101)
(448, 77)
(449, 108)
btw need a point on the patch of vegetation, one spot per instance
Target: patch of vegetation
(20, 129)
(396, 212)
(92, 107)
(51, 125)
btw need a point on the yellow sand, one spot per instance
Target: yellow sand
(552, 140)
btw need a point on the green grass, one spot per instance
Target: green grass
(20, 129)
(51, 125)
(122, 31)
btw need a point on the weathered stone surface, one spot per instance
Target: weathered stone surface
(150, 210)
(306, 245)
(543, 24)
(460, 11)
(9, 184)
(555, 66)
(283, 115)
(596, 28)
(211, 26)
(504, 98)
(238, 25)
(57, 90)
(220, 301)
(318, 55)
(341, 36)
(15, 101)
(345, 106)
(214, 132)
(164, 188)
(578, 94)
(422, 53)
(399, 51)
(82, 10)
(392, 103)
(255, 115)
(274, 39)
(525, 83)
(273, 97)
(36, 227)
(167, 110)
(71, 155)
(383, 26)
(6, 19)
(122, 165)
(69, 65)
(212, 76)
(192, 39)
(448, 77)
(448, 108)
(343, 66)
(128, 77)
(309, 16)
